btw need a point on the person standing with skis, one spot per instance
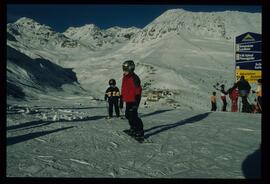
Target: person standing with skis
(131, 94)
(214, 102)
(243, 88)
(112, 95)
(223, 94)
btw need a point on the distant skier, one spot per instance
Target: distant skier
(233, 94)
(214, 102)
(131, 95)
(243, 88)
(223, 94)
(259, 95)
(112, 95)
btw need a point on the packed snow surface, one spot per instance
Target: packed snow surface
(69, 137)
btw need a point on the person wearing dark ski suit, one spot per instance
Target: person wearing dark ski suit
(131, 94)
(243, 88)
(112, 95)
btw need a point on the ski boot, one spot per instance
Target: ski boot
(139, 136)
(130, 132)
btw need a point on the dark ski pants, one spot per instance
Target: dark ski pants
(135, 122)
(224, 104)
(214, 106)
(113, 102)
(246, 106)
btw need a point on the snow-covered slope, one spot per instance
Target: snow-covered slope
(62, 139)
(180, 55)
(27, 77)
(91, 35)
(216, 25)
(41, 41)
(26, 30)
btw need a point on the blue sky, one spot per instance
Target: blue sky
(60, 17)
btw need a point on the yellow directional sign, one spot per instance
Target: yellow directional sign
(251, 76)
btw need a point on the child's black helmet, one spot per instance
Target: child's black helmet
(128, 66)
(112, 82)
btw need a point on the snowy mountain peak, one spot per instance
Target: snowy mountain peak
(93, 36)
(214, 25)
(30, 33)
(78, 32)
(172, 12)
(26, 20)
(86, 27)
(31, 24)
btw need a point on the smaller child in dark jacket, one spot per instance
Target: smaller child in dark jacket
(112, 95)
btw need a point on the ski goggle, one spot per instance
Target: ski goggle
(125, 67)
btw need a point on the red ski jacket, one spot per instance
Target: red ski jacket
(131, 87)
(234, 94)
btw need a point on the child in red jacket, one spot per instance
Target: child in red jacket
(131, 94)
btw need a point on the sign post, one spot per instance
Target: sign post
(248, 56)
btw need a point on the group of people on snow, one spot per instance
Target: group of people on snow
(130, 95)
(240, 89)
(131, 91)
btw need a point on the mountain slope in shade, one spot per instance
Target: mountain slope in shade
(27, 76)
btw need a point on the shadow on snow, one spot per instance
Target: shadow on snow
(156, 112)
(35, 124)
(63, 108)
(251, 166)
(22, 138)
(162, 128)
